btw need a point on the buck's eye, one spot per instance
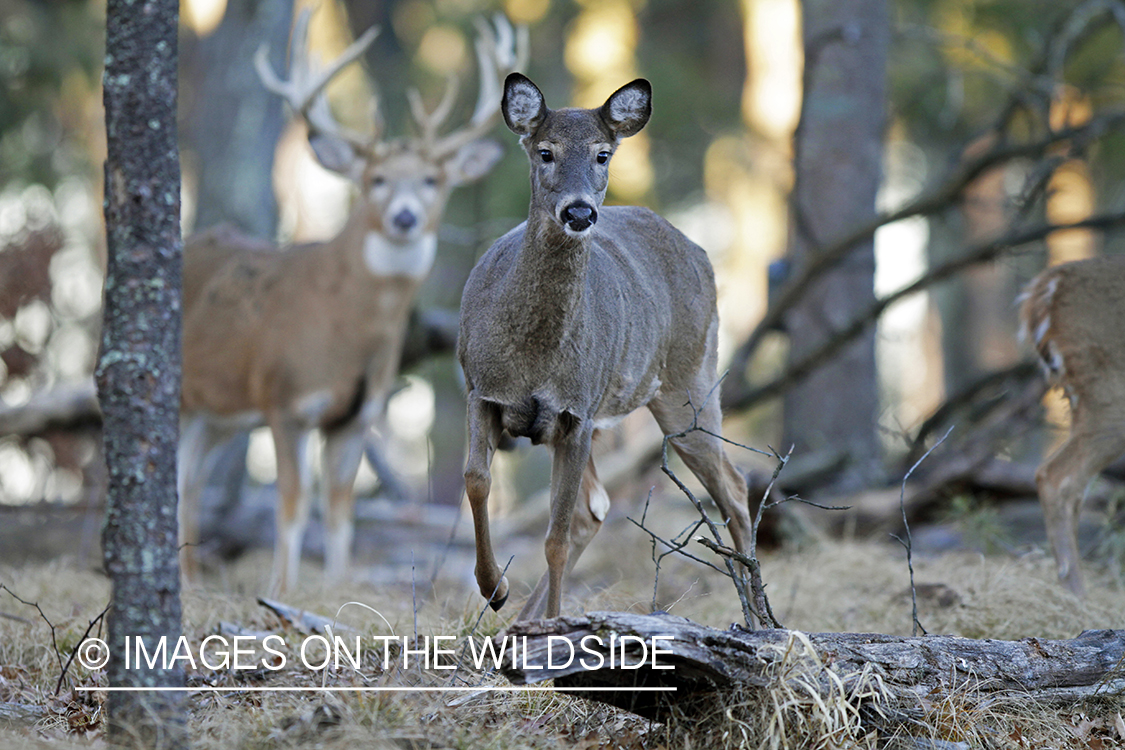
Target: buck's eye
(378, 181)
(430, 181)
(546, 156)
(603, 157)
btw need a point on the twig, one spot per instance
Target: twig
(64, 667)
(748, 613)
(673, 546)
(473, 630)
(42, 614)
(74, 651)
(909, 542)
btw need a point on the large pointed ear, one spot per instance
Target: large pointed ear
(472, 161)
(627, 110)
(337, 155)
(523, 105)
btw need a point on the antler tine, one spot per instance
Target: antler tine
(430, 122)
(304, 91)
(500, 49)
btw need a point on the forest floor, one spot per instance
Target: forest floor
(425, 588)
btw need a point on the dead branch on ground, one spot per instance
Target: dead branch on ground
(706, 662)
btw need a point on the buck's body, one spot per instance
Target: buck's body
(310, 337)
(624, 317)
(578, 317)
(308, 330)
(1074, 314)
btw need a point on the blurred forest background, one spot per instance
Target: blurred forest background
(935, 143)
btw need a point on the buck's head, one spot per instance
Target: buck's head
(570, 149)
(405, 184)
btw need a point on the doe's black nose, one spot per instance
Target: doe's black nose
(579, 216)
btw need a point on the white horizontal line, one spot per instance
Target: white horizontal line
(326, 689)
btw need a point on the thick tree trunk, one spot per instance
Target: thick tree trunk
(838, 165)
(706, 661)
(233, 123)
(138, 371)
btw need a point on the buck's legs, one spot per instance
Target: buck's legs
(1063, 480)
(589, 513)
(484, 433)
(343, 452)
(200, 441)
(289, 440)
(704, 454)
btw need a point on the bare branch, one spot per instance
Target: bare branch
(1082, 21)
(747, 396)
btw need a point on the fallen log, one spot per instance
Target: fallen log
(665, 651)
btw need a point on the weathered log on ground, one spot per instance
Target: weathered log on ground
(706, 661)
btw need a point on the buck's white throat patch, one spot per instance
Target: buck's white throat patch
(414, 258)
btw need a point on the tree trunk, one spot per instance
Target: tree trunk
(705, 661)
(138, 371)
(838, 162)
(232, 122)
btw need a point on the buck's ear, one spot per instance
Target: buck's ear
(627, 110)
(473, 161)
(336, 155)
(523, 105)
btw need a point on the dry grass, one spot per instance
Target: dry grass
(830, 587)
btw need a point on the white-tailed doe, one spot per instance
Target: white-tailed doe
(1075, 315)
(577, 317)
(309, 337)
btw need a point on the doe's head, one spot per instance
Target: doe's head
(570, 149)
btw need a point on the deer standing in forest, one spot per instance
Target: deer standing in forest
(310, 336)
(1074, 314)
(577, 317)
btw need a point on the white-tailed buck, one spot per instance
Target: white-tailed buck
(577, 317)
(309, 337)
(1074, 314)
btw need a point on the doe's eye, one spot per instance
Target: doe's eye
(378, 181)
(603, 157)
(430, 180)
(546, 156)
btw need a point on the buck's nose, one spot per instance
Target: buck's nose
(404, 220)
(579, 216)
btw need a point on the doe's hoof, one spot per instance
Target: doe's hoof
(500, 596)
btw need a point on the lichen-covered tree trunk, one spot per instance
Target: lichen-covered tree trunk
(138, 371)
(838, 163)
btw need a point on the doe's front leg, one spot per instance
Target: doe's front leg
(484, 434)
(572, 454)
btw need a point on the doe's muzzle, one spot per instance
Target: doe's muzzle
(580, 216)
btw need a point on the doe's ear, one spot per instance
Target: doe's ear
(523, 105)
(473, 161)
(627, 110)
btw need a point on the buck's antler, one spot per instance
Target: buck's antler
(501, 49)
(305, 88)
